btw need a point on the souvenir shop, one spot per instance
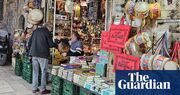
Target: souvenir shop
(116, 35)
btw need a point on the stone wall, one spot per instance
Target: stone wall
(13, 9)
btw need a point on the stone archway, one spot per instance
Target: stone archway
(21, 24)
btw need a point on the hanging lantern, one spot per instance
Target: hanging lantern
(77, 11)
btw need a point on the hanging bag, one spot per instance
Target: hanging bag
(126, 62)
(119, 34)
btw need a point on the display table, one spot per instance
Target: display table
(79, 81)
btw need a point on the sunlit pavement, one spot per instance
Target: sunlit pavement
(10, 84)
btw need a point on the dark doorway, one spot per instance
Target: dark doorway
(21, 22)
(1, 9)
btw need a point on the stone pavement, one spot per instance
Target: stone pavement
(10, 84)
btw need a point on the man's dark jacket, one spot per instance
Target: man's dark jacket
(40, 43)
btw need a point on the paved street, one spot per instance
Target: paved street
(10, 84)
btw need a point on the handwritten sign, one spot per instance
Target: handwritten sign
(104, 40)
(114, 49)
(119, 35)
(126, 62)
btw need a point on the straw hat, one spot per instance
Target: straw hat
(35, 16)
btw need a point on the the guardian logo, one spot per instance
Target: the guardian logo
(138, 81)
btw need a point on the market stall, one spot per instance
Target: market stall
(116, 35)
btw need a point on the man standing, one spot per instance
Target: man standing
(40, 44)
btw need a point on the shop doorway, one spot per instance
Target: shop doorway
(21, 22)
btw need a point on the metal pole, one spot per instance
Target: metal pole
(106, 17)
(72, 22)
(54, 21)
(54, 28)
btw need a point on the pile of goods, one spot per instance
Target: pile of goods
(80, 75)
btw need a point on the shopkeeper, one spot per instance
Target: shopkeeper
(63, 47)
(76, 46)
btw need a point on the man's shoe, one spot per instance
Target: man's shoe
(34, 91)
(45, 91)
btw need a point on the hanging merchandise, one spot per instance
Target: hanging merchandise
(119, 34)
(129, 7)
(92, 12)
(159, 62)
(171, 65)
(126, 62)
(104, 40)
(146, 62)
(176, 52)
(141, 9)
(77, 11)
(143, 39)
(35, 16)
(155, 10)
(138, 22)
(69, 6)
(163, 46)
(132, 48)
(141, 12)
